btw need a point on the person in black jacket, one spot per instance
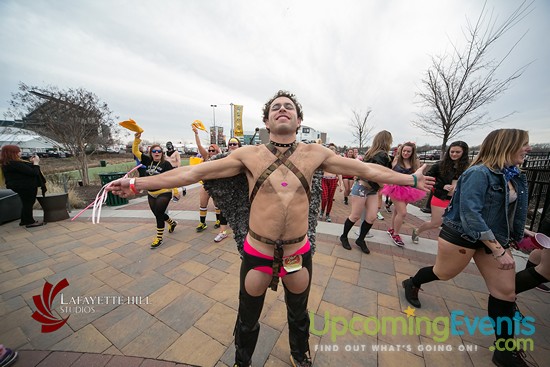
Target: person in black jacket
(446, 173)
(24, 178)
(364, 193)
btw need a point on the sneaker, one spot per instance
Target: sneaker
(9, 357)
(321, 216)
(201, 227)
(345, 242)
(411, 292)
(543, 288)
(388, 208)
(379, 216)
(363, 245)
(327, 218)
(217, 224)
(172, 226)
(397, 240)
(506, 358)
(415, 236)
(156, 242)
(221, 236)
(390, 232)
(306, 362)
(175, 199)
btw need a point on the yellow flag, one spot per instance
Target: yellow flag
(131, 125)
(238, 120)
(199, 125)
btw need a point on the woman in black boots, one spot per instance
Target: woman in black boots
(486, 214)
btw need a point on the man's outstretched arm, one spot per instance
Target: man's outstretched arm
(227, 167)
(377, 173)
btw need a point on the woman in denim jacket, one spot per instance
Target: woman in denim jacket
(486, 214)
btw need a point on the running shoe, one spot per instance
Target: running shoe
(221, 236)
(397, 240)
(390, 232)
(327, 218)
(172, 226)
(379, 216)
(415, 236)
(8, 358)
(156, 242)
(321, 216)
(217, 224)
(201, 227)
(388, 208)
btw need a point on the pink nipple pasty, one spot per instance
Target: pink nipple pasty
(284, 184)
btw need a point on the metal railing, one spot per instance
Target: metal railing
(538, 180)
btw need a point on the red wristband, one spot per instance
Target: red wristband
(133, 186)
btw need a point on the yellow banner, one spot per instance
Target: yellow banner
(238, 120)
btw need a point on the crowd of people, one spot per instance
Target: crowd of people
(480, 206)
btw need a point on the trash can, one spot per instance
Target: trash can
(103, 163)
(113, 200)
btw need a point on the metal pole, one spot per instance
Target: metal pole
(215, 130)
(232, 133)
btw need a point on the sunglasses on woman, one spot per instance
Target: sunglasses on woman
(233, 144)
(211, 151)
(156, 151)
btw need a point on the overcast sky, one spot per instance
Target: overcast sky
(163, 63)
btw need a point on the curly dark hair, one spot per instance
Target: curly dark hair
(287, 94)
(447, 164)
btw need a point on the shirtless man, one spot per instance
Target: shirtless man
(279, 175)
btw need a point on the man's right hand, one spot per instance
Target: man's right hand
(120, 187)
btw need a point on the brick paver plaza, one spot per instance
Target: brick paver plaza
(177, 305)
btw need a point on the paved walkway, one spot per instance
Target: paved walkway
(129, 305)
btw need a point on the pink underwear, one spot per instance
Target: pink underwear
(268, 269)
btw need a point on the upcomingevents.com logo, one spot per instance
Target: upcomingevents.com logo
(43, 303)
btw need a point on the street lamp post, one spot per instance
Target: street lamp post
(214, 118)
(232, 133)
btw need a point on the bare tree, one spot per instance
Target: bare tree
(458, 86)
(361, 131)
(75, 118)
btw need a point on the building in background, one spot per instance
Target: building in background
(306, 134)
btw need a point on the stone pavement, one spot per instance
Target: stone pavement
(128, 305)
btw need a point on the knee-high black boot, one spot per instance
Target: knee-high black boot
(247, 327)
(298, 317)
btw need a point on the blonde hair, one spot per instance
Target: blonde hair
(381, 143)
(499, 146)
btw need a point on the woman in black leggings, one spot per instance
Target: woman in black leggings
(155, 164)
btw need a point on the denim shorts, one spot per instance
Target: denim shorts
(362, 191)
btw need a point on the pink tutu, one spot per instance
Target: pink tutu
(403, 193)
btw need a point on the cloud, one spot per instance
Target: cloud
(164, 63)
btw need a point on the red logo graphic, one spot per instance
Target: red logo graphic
(44, 307)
